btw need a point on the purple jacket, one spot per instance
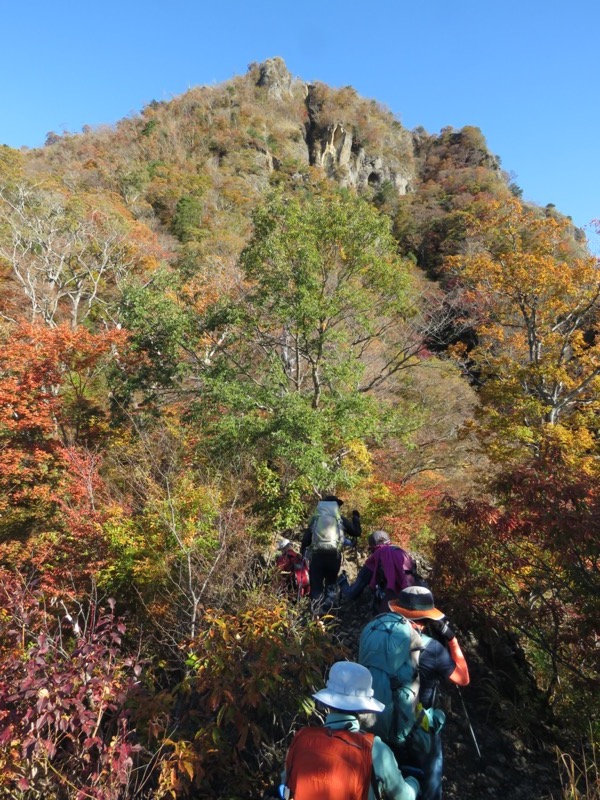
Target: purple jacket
(392, 567)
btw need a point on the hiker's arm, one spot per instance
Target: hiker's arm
(460, 676)
(352, 527)
(446, 636)
(306, 540)
(392, 784)
(363, 579)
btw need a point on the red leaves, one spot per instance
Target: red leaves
(48, 482)
(46, 375)
(532, 566)
(407, 508)
(62, 696)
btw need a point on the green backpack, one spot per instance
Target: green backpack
(389, 647)
(326, 527)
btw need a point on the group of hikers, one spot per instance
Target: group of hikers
(381, 736)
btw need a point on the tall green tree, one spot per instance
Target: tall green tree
(321, 324)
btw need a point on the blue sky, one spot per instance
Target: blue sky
(526, 73)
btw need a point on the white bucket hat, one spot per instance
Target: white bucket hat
(349, 688)
(283, 543)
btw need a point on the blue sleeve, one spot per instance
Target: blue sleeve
(444, 662)
(363, 579)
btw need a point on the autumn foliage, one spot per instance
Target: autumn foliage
(524, 555)
(535, 305)
(250, 673)
(65, 684)
(530, 563)
(208, 320)
(50, 414)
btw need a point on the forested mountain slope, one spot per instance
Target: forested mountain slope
(213, 313)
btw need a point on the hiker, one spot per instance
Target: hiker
(389, 647)
(338, 761)
(324, 538)
(293, 568)
(441, 658)
(387, 571)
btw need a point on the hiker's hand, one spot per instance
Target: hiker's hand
(355, 514)
(442, 629)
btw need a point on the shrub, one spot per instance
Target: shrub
(251, 677)
(64, 686)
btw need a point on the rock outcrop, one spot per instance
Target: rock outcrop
(334, 146)
(335, 150)
(275, 77)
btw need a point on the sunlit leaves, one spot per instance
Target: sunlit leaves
(51, 407)
(67, 252)
(253, 669)
(65, 682)
(537, 307)
(319, 325)
(531, 563)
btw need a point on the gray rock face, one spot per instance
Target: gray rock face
(334, 148)
(336, 152)
(275, 77)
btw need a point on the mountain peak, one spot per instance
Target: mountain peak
(274, 76)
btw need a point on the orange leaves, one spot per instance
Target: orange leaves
(40, 365)
(406, 509)
(47, 409)
(180, 769)
(252, 671)
(516, 258)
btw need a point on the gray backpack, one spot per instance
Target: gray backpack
(326, 527)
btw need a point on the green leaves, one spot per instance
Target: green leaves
(158, 326)
(295, 356)
(325, 268)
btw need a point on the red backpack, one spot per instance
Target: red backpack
(328, 764)
(294, 568)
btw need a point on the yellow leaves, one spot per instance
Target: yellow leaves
(307, 705)
(536, 306)
(516, 253)
(182, 766)
(576, 445)
(458, 351)
(358, 457)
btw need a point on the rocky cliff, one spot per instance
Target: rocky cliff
(331, 136)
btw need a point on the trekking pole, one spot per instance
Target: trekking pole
(462, 700)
